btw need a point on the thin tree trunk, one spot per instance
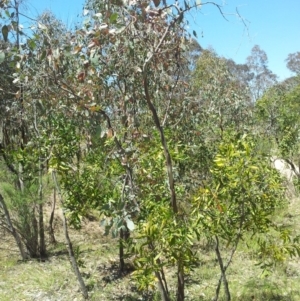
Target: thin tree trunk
(12, 229)
(173, 200)
(20, 180)
(164, 294)
(69, 243)
(51, 229)
(223, 275)
(162, 282)
(180, 282)
(121, 251)
(124, 237)
(163, 278)
(34, 239)
(42, 245)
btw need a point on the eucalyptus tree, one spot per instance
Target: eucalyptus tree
(111, 85)
(242, 74)
(293, 62)
(128, 59)
(263, 77)
(134, 48)
(277, 111)
(220, 101)
(16, 132)
(238, 170)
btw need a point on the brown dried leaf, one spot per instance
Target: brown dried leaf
(110, 133)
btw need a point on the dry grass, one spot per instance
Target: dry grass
(54, 280)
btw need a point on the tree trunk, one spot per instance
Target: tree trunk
(180, 282)
(42, 244)
(69, 244)
(73, 259)
(12, 229)
(169, 167)
(51, 229)
(163, 290)
(121, 251)
(33, 244)
(223, 275)
(124, 236)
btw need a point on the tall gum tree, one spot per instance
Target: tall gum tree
(263, 77)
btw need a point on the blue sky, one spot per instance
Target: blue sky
(272, 24)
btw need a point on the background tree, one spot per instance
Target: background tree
(293, 62)
(239, 200)
(241, 72)
(278, 111)
(16, 132)
(220, 101)
(263, 77)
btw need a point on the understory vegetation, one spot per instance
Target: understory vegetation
(136, 165)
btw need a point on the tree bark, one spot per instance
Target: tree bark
(12, 229)
(180, 282)
(51, 229)
(32, 235)
(121, 251)
(223, 275)
(42, 244)
(163, 290)
(69, 243)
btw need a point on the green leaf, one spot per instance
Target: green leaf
(195, 34)
(5, 32)
(157, 256)
(95, 60)
(31, 44)
(113, 18)
(2, 57)
(43, 55)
